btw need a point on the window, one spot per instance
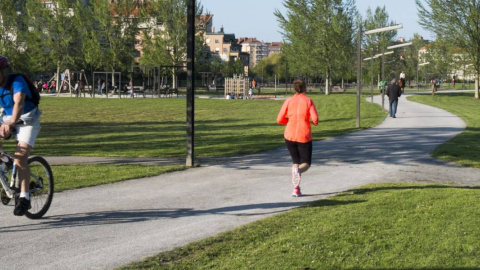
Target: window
(217, 41)
(217, 49)
(207, 40)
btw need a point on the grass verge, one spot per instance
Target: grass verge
(388, 226)
(78, 176)
(464, 149)
(155, 127)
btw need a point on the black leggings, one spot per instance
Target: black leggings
(300, 152)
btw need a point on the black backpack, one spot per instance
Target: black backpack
(35, 99)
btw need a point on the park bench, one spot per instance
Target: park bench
(337, 89)
(137, 90)
(173, 91)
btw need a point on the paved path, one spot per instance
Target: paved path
(108, 226)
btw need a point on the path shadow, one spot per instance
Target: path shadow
(143, 215)
(385, 145)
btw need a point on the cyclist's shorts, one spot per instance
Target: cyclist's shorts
(28, 133)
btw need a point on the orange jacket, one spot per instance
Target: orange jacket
(296, 113)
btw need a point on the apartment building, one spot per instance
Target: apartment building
(274, 47)
(255, 48)
(225, 45)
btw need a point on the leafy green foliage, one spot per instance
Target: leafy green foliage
(124, 127)
(166, 43)
(53, 38)
(457, 24)
(328, 25)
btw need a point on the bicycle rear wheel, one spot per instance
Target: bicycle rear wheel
(41, 187)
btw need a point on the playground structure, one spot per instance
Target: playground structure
(111, 79)
(161, 81)
(68, 80)
(153, 80)
(237, 86)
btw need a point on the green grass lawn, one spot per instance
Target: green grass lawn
(79, 176)
(395, 226)
(464, 149)
(388, 226)
(156, 127)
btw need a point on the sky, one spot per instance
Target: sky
(254, 18)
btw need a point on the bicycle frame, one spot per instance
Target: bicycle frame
(9, 189)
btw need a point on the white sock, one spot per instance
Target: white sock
(25, 195)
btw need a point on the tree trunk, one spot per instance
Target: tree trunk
(476, 85)
(327, 83)
(57, 86)
(113, 82)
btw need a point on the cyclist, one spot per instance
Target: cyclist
(19, 112)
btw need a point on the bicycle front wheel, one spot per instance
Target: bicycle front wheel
(41, 187)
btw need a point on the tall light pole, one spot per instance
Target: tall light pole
(359, 60)
(190, 83)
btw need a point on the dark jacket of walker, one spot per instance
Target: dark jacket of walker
(393, 91)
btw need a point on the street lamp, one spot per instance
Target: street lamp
(399, 45)
(190, 83)
(359, 59)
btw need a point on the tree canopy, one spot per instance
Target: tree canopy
(457, 23)
(315, 31)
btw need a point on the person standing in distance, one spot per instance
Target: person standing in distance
(296, 113)
(19, 112)
(402, 80)
(393, 92)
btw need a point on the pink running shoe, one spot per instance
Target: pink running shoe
(296, 192)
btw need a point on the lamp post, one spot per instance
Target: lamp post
(190, 83)
(359, 60)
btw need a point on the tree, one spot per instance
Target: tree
(441, 58)
(319, 36)
(270, 67)
(10, 39)
(108, 32)
(166, 44)
(411, 59)
(457, 23)
(377, 43)
(52, 33)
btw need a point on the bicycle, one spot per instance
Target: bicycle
(41, 184)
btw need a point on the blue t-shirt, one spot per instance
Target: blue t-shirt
(19, 85)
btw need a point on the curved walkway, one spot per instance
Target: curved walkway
(107, 226)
